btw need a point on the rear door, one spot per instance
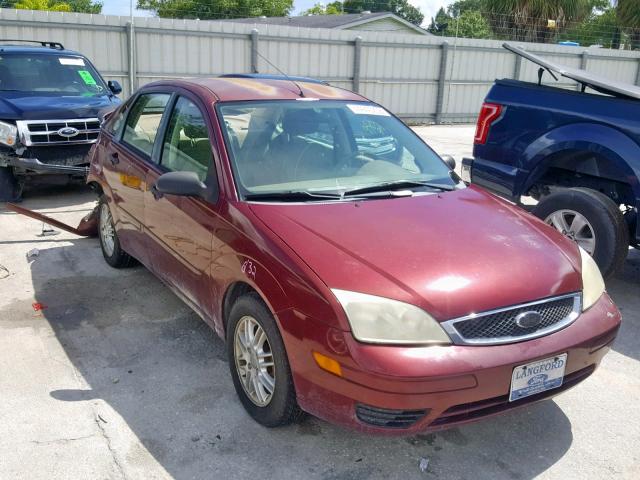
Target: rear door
(130, 158)
(180, 229)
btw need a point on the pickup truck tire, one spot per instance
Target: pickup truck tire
(10, 188)
(605, 219)
(113, 253)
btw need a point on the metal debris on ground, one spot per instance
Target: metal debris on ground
(47, 231)
(4, 272)
(33, 253)
(424, 464)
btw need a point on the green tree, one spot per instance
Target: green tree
(470, 24)
(83, 6)
(535, 20)
(217, 9)
(601, 28)
(628, 14)
(333, 8)
(402, 8)
(42, 5)
(461, 19)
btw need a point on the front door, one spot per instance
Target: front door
(180, 229)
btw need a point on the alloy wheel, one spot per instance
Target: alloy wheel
(107, 232)
(254, 361)
(575, 226)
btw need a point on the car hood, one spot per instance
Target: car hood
(451, 254)
(41, 106)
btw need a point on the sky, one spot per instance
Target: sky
(428, 7)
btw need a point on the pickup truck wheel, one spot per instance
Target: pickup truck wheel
(113, 253)
(10, 187)
(593, 220)
(259, 365)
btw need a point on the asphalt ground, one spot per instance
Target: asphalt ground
(115, 378)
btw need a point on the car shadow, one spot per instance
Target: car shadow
(165, 373)
(624, 289)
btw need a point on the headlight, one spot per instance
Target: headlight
(592, 282)
(382, 320)
(8, 134)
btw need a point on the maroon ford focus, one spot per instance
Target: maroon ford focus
(351, 273)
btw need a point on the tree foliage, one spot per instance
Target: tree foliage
(463, 18)
(217, 9)
(402, 8)
(81, 6)
(333, 8)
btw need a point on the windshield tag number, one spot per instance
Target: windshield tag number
(249, 269)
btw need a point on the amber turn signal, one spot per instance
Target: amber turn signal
(327, 363)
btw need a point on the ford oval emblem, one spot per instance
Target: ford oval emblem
(68, 132)
(528, 319)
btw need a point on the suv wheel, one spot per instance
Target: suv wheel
(109, 243)
(259, 365)
(593, 221)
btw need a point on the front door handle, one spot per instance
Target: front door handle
(114, 158)
(157, 194)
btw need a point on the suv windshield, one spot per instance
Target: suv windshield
(327, 147)
(47, 73)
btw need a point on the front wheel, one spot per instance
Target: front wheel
(259, 365)
(10, 187)
(592, 220)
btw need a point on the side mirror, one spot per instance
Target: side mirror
(185, 184)
(114, 86)
(450, 161)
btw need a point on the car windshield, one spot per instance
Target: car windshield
(47, 73)
(315, 149)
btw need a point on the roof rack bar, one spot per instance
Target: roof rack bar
(55, 45)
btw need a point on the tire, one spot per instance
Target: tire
(10, 187)
(609, 229)
(113, 253)
(281, 407)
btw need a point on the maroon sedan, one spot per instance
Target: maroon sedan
(351, 272)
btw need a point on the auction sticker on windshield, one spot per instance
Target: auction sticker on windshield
(537, 377)
(360, 109)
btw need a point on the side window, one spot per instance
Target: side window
(187, 147)
(144, 120)
(114, 123)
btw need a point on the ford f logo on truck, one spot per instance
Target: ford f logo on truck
(52, 132)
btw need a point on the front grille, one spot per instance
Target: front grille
(499, 326)
(46, 132)
(69, 155)
(382, 417)
(483, 408)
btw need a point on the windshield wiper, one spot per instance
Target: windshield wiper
(386, 186)
(292, 196)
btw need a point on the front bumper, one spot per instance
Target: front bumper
(35, 165)
(449, 384)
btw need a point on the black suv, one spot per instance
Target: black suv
(51, 103)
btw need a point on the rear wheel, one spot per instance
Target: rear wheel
(592, 220)
(113, 253)
(259, 365)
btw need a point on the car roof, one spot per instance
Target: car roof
(9, 49)
(227, 89)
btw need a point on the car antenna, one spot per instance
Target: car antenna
(280, 71)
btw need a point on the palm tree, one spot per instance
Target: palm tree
(42, 5)
(535, 20)
(628, 13)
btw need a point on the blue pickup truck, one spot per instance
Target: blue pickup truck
(51, 101)
(577, 153)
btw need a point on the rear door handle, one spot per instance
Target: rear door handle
(114, 158)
